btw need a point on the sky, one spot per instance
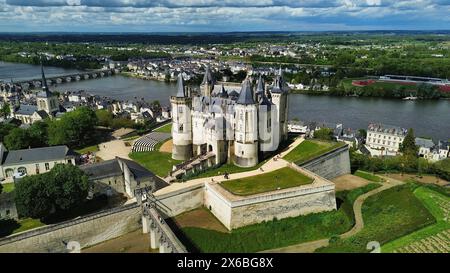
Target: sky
(221, 15)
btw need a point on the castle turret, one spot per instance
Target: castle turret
(207, 84)
(181, 126)
(279, 97)
(45, 99)
(267, 117)
(246, 134)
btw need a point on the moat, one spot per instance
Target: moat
(428, 117)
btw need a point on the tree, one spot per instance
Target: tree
(61, 189)
(75, 129)
(5, 128)
(104, 117)
(408, 146)
(324, 134)
(17, 139)
(5, 110)
(38, 133)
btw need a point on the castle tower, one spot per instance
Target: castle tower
(207, 85)
(45, 99)
(268, 141)
(279, 96)
(181, 123)
(246, 130)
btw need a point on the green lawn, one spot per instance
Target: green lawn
(85, 150)
(158, 162)
(279, 179)
(310, 149)
(164, 129)
(11, 226)
(28, 223)
(368, 176)
(436, 203)
(8, 187)
(220, 170)
(282, 233)
(387, 215)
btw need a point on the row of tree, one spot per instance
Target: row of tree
(74, 129)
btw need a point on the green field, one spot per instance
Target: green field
(368, 176)
(439, 205)
(158, 162)
(8, 187)
(279, 179)
(310, 149)
(387, 215)
(164, 129)
(282, 233)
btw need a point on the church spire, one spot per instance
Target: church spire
(44, 80)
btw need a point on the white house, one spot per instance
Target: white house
(384, 139)
(32, 161)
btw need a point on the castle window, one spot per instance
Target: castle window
(180, 109)
(47, 166)
(180, 129)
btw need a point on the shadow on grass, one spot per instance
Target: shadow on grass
(188, 244)
(7, 226)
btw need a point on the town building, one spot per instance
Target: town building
(233, 126)
(32, 161)
(120, 176)
(384, 139)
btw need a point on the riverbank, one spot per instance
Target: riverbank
(146, 78)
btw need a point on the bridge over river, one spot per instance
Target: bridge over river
(93, 74)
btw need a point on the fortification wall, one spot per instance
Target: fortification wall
(88, 231)
(179, 201)
(330, 165)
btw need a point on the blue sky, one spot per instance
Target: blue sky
(221, 15)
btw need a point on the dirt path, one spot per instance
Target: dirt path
(310, 247)
(109, 150)
(200, 218)
(167, 146)
(349, 182)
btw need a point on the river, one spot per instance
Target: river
(428, 118)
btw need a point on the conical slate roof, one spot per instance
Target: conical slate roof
(223, 93)
(208, 79)
(260, 86)
(246, 96)
(180, 87)
(278, 83)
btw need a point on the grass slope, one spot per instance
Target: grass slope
(387, 215)
(279, 233)
(282, 179)
(310, 149)
(164, 129)
(158, 162)
(368, 176)
(436, 203)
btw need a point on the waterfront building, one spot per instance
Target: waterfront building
(384, 139)
(233, 126)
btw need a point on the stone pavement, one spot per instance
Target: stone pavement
(111, 149)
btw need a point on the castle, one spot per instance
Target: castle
(234, 126)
